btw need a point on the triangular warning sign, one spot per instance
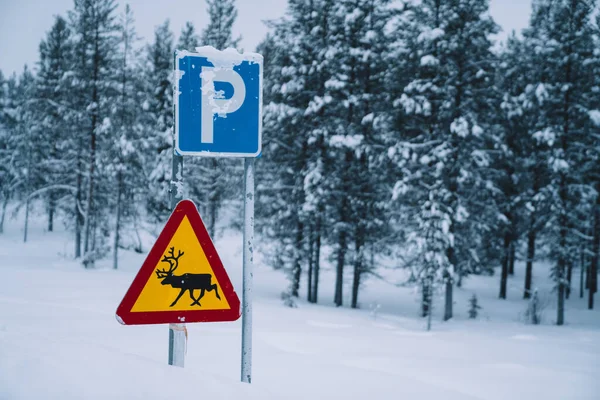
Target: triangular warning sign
(182, 278)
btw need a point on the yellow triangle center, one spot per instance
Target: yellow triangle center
(180, 289)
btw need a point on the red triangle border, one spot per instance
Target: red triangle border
(127, 317)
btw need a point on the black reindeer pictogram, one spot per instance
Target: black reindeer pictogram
(185, 282)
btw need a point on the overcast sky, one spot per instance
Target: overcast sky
(23, 23)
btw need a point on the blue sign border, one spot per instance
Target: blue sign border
(225, 59)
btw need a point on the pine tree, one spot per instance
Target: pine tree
(126, 159)
(53, 104)
(12, 140)
(524, 75)
(29, 136)
(296, 126)
(159, 107)
(509, 172)
(5, 153)
(446, 109)
(218, 33)
(566, 40)
(591, 171)
(515, 151)
(358, 88)
(188, 40)
(93, 22)
(22, 130)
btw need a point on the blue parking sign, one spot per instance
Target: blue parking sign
(218, 103)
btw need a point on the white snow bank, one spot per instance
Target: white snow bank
(59, 338)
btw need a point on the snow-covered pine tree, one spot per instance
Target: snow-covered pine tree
(8, 178)
(127, 157)
(24, 136)
(509, 171)
(296, 127)
(282, 167)
(523, 74)
(592, 172)
(518, 160)
(219, 32)
(52, 102)
(159, 119)
(566, 40)
(446, 109)
(361, 101)
(188, 39)
(93, 24)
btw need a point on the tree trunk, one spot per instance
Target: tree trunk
(425, 297)
(505, 262)
(92, 166)
(297, 266)
(339, 271)
(4, 207)
(28, 191)
(562, 256)
(342, 234)
(560, 312)
(581, 272)
(563, 194)
(569, 276)
(588, 278)
(358, 266)
(88, 211)
(511, 258)
(78, 215)
(309, 279)
(78, 225)
(212, 211)
(448, 303)
(593, 270)
(51, 211)
(118, 220)
(531, 236)
(430, 304)
(448, 299)
(459, 280)
(26, 221)
(315, 295)
(213, 198)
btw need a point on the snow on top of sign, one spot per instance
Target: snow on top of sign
(228, 57)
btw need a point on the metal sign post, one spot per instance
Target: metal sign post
(248, 259)
(177, 332)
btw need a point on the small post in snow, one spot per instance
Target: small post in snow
(247, 269)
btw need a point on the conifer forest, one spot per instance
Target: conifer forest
(397, 135)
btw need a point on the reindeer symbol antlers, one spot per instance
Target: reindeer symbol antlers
(173, 261)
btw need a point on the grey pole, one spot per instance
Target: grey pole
(247, 270)
(177, 332)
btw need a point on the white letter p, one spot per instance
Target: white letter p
(213, 102)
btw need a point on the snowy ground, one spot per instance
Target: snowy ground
(59, 339)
